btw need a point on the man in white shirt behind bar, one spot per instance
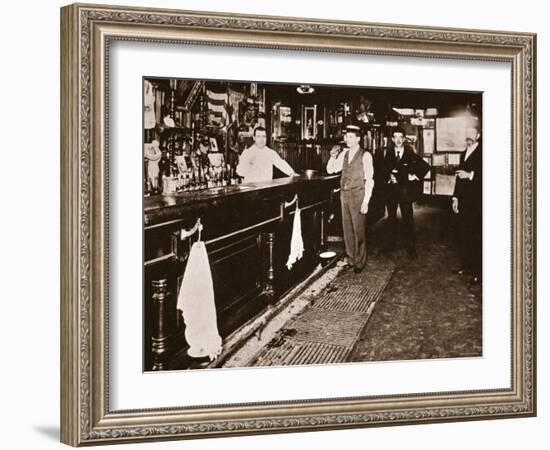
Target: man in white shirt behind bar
(257, 161)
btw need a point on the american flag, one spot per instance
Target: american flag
(219, 108)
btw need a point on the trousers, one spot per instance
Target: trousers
(469, 234)
(354, 226)
(407, 223)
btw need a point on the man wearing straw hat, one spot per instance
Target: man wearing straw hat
(356, 185)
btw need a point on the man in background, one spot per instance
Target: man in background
(403, 172)
(467, 202)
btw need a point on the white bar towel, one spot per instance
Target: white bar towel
(296, 241)
(196, 301)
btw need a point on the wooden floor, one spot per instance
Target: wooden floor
(427, 310)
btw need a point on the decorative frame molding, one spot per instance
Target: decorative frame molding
(86, 31)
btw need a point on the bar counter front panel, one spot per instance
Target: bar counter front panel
(247, 230)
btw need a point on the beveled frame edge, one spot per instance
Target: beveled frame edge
(85, 33)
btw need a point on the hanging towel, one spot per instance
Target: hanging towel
(296, 241)
(196, 301)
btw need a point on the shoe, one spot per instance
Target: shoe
(345, 264)
(412, 254)
(357, 270)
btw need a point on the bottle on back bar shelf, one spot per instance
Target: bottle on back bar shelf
(189, 178)
(200, 174)
(204, 183)
(185, 180)
(213, 177)
(227, 175)
(196, 181)
(210, 181)
(223, 175)
(219, 178)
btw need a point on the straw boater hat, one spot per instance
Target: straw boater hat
(353, 129)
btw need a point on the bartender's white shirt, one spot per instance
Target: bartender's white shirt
(256, 164)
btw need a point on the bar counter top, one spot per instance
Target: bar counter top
(165, 207)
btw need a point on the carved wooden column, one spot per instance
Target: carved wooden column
(270, 271)
(159, 339)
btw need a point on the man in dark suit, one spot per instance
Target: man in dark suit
(467, 199)
(404, 171)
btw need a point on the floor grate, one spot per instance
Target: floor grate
(296, 352)
(327, 330)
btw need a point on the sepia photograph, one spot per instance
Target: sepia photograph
(298, 223)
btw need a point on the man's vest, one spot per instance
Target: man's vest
(353, 174)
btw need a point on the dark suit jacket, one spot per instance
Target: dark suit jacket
(409, 164)
(377, 203)
(467, 191)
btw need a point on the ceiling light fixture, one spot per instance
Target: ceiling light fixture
(305, 89)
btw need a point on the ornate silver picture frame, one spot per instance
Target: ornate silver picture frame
(87, 33)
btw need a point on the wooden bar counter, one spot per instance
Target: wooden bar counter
(247, 231)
